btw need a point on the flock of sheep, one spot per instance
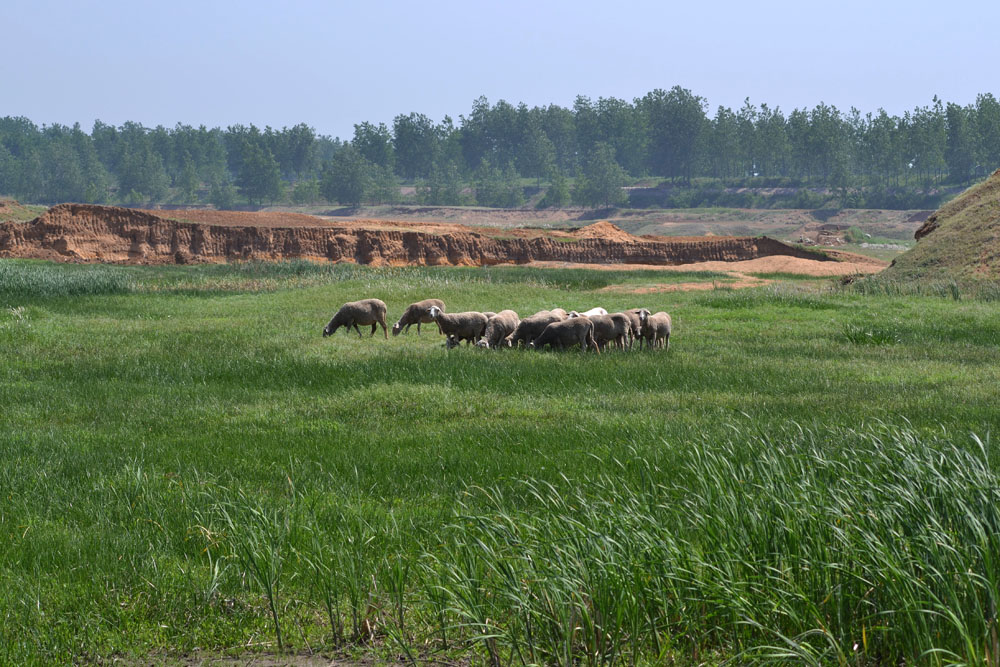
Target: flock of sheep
(591, 330)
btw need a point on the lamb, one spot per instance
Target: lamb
(592, 311)
(489, 314)
(364, 312)
(530, 327)
(560, 312)
(569, 332)
(416, 313)
(655, 329)
(466, 326)
(498, 327)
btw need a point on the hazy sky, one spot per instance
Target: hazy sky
(333, 64)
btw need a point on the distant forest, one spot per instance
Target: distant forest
(503, 155)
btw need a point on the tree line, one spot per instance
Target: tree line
(584, 155)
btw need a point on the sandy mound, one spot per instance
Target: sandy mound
(605, 230)
(767, 264)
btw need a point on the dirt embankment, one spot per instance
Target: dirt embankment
(79, 232)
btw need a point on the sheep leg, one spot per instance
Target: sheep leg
(357, 329)
(666, 342)
(385, 331)
(418, 327)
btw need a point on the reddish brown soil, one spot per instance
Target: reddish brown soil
(85, 233)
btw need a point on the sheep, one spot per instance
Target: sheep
(466, 326)
(498, 328)
(560, 312)
(569, 332)
(489, 314)
(364, 312)
(592, 311)
(416, 313)
(609, 328)
(655, 329)
(634, 325)
(530, 327)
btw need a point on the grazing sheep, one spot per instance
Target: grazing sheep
(560, 312)
(611, 328)
(489, 314)
(416, 313)
(365, 312)
(655, 329)
(466, 326)
(498, 328)
(634, 325)
(566, 333)
(589, 313)
(530, 327)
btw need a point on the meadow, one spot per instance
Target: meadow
(188, 468)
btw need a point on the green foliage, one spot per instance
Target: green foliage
(558, 193)
(259, 176)
(222, 194)
(347, 177)
(854, 235)
(499, 189)
(306, 191)
(187, 463)
(444, 188)
(848, 158)
(20, 280)
(187, 183)
(601, 181)
(384, 186)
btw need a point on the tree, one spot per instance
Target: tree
(960, 152)
(558, 194)
(222, 194)
(306, 191)
(443, 188)
(415, 144)
(385, 188)
(538, 156)
(259, 176)
(988, 126)
(374, 142)
(142, 174)
(347, 177)
(676, 119)
(498, 189)
(187, 182)
(601, 182)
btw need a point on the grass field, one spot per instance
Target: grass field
(807, 475)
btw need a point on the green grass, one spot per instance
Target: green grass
(185, 462)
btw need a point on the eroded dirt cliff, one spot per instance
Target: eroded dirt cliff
(87, 233)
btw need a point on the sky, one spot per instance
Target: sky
(334, 64)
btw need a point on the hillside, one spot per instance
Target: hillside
(960, 240)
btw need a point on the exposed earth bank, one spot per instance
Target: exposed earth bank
(87, 233)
